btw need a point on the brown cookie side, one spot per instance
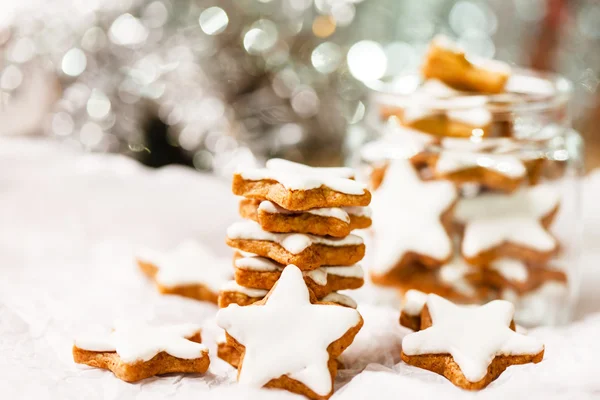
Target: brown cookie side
(296, 200)
(241, 299)
(314, 256)
(267, 279)
(162, 363)
(229, 354)
(444, 364)
(410, 321)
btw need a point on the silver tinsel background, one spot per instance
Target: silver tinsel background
(214, 83)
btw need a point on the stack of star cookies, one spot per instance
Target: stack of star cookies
(297, 215)
(462, 207)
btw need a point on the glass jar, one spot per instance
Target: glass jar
(475, 197)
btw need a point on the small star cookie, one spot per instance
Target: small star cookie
(262, 273)
(468, 161)
(469, 345)
(508, 225)
(333, 221)
(402, 204)
(288, 340)
(446, 61)
(306, 251)
(298, 187)
(190, 270)
(134, 351)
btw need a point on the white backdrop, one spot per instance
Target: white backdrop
(70, 224)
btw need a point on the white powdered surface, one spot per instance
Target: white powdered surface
(71, 224)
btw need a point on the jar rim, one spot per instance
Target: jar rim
(546, 91)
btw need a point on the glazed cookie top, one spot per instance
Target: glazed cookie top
(295, 243)
(492, 219)
(454, 275)
(189, 263)
(296, 176)
(319, 275)
(472, 335)
(404, 203)
(138, 341)
(398, 142)
(511, 269)
(461, 154)
(414, 301)
(288, 335)
(341, 213)
(233, 286)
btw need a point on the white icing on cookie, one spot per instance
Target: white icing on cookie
(493, 219)
(477, 117)
(232, 286)
(302, 177)
(319, 275)
(511, 269)
(288, 335)
(138, 341)
(256, 263)
(294, 243)
(342, 299)
(188, 264)
(334, 212)
(453, 274)
(414, 301)
(398, 142)
(467, 154)
(472, 335)
(402, 204)
(358, 211)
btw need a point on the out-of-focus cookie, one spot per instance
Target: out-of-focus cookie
(509, 225)
(262, 273)
(413, 303)
(467, 161)
(469, 345)
(403, 203)
(334, 221)
(306, 251)
(446, 61)
(135, 351)
(298, 187)
(189, 270)
(289, 340)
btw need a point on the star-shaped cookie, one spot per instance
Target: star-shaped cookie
(403, 205)
(469, 345)
(288, 340)
(189, 270)
(136, 350)
(298, 187)
(509, 225)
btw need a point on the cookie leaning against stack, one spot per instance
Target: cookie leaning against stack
(299, 218)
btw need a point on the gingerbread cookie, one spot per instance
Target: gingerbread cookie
(189, 270)
(399, 142)
(288, 340)
(135, 351)
(410, 315)
(469, 345)
(335, 221)
(465, 117)
(227, 352)
(468, 161)
(513, 274)
(233, 293)
(305, 251)
(509, 225)
(262, 273)
(402, 203)
(446, 61)
(298, 187)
